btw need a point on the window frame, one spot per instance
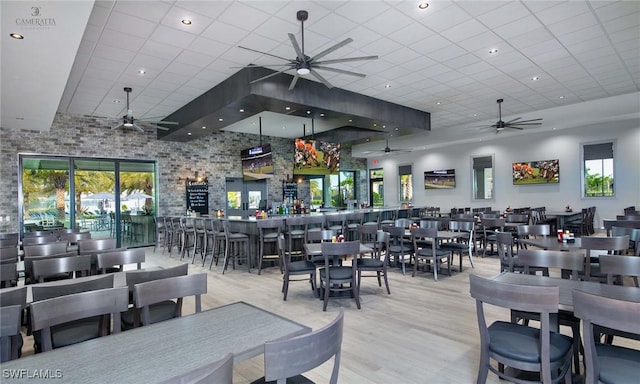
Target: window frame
(583, 168)
(410, 182)
(474, 183)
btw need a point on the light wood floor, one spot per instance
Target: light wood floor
(424, 332)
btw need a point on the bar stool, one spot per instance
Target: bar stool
(177, 235)
(199, 239)
(161, 234)
(269, 230)
(188, 235)
(235, 244)
(352, 221)
(295, 231)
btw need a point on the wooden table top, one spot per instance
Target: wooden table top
(552, 243)
(154, 353)
(567, 286)
(315, 249)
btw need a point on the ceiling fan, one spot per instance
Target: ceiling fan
(388, 150)
(304, 64)
(516, 123)
(128, 121)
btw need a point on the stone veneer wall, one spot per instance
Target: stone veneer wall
(217, 156)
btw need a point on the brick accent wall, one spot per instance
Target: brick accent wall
(217, 156)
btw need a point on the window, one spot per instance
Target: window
(376, 187)
(406, 183)
(342, 188)
(482, 174)
(598, 170)
(316, 185)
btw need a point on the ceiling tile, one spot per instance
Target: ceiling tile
(171, 36)
(121, 40)
(158, 49)
(152, 11)
(251, 17)
(131, 24)
(464, 31)
(454, 16)
(505, 14)
(173, 19)
(562, 11)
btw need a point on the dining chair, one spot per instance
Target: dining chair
(426, 247)
(388, 217)
(161, 232)
(114, 261)
(295, 233)
(508, 260)
(334, 276)
(295, 268)
(216, 240)
(489, 228)
(72, 238)
(351, 223)
(372, 218)
(218, 372)
(462, 244)
(30, 278)
(400, 248)
(336, 222)
(313, 223)
(162, 290)
(325, 235)
(532, 231)
(92, 246)
(61, 267)
(10, 323)
(35, 240)
(48, 313)
(607, 363)
(286, 360)
(594, 246)
(569, 265)
(14, 297)
(8, 275)
(626, 231)
(9, 254)
(432, 223)
(374, 263)
(517, 346)
(199, 233)
(269, 230)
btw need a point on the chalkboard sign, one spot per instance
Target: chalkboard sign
(289, 190)
(198, 196)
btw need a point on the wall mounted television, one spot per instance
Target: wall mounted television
(440, 179)
(257, 162)
(316, 157)
(536, 172)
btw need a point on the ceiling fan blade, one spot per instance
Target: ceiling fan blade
(322, 79)
(296, 47)
(264, 53)
(514, 120)
(331, 49)
(528, 121)
(294, 81)
(518, 124)
(346, 59)
(269, 75)
(513, 127)
(137, 128)
(339, 71)
(117, 126)
(259, 66)
(158, 127)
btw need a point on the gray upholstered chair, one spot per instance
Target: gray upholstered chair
(606, 363)
(48, 313)
(374, 263)
(10, 321)
(286, 360)
(218, 372)
(519, 346)
(425, 246)
(116, 260)
(295, 268)
(158, 291)
(158, 311)
(333, 276)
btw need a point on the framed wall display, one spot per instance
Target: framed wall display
(536, 172)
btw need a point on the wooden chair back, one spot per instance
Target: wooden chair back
(616, 267)
(10, 322)
(73, 237)
(33, 240)
(43, 268)
(291, 357)
(90, 246)
(619, 315)
(321, 236)
(28, 264)
(13, 296)
(120, 258)
(9, 254)
(63, 309)
(539, 258)
(611, 244)
(137, 277)
(151, 292)
(69, 287)
(47, 249)
(504, 244)
(9, 241)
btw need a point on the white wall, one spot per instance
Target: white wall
(564, 145)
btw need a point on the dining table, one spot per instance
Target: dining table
(566, 287)
(157, 352)
(315, 249)
(552, 243)
(562, 217)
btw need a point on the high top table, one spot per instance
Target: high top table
(157, 352)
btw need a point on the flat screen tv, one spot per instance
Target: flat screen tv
(440, 179)
(536, 172)
(316, 157)
(257, 162)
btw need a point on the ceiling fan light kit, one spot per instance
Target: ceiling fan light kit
(303, 64)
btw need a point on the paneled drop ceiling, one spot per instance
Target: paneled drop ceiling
(435, 60)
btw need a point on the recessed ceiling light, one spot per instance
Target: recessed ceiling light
(241, 110)
(141, 71)
(554, 128)
(287, 108)
(423, 5)
(322, 115)
(221, 119)
(16, 36)
(534, 78)
(19, 118)
(308, 112)
(283, 127)
(189, 133)
(116, 101)
(186, 21)
(561, 97)
(351, 120)
(387, 86)
(438, 103)
(475, 114)
(492, 51)
(204, 127)
(375, 125)
(397, 128)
